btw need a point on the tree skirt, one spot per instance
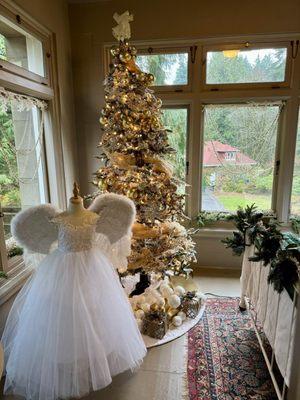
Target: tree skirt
(224, 357)
(175, 332)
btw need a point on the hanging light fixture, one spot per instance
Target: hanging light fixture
(230, 53)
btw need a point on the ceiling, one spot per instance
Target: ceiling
(86, 1)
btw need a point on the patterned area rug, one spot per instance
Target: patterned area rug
(224, 358)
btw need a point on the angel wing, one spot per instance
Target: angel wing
(117, 214)
(33, 230)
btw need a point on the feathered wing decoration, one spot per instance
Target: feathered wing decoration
(117, 215)
(33, 229)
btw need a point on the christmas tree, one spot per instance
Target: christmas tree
(135, 146)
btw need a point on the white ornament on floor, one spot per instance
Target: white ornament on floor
(177, 321)
(179, 290)
(174, 301)
(139, 314)
(182, 315)
(145, 307)
(166, 291)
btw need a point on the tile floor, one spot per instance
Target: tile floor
(161, 375)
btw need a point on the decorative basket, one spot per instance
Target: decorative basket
(155, 324)
(190, 304)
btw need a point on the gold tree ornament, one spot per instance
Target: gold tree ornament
(135, 145)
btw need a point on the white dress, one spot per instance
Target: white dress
(71, 327)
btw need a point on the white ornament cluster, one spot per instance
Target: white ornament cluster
(162, 296)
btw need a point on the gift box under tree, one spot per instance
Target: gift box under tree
(155, 324)
(190, 304)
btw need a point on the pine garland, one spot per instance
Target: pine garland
(272, 247)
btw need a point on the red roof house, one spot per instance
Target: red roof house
(216, 154)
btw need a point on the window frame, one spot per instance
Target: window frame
(276, 152)
(8, 264)
(198, 96)
(247, 85)
(294, 142)
(28, 83)
(144, 50)
(170, 50)
(18, 18)
(180, 106)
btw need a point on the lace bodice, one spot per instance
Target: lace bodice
(73, 238)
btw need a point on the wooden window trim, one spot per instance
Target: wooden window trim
(18, 17)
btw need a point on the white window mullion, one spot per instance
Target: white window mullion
(287, 150)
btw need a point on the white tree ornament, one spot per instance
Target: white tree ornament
(122, 30)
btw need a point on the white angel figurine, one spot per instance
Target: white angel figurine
(71, 327)
(122, 30)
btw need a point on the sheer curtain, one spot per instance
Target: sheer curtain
(22, 161)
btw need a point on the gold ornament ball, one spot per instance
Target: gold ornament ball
(103, 120)
(114, 51)
(125, 57)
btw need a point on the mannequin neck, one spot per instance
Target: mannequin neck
(76, 206)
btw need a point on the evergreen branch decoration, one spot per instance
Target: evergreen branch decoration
(207, 217)
(267, 239)
(295, 221)
(272, 247)
(244, 219)
(236, 243)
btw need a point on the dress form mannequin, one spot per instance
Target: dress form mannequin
(71, 327)
(76, 214)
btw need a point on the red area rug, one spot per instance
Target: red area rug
(224, 358)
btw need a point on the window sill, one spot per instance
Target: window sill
(213, 232)
(17, 276)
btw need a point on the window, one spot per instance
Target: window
(230, 155)
(238, 156)
(22, 159)
(176, 119)
(20, 48)
(241, 96)
(246, 65)
(25, 68)
(295, 200)
(169, 69)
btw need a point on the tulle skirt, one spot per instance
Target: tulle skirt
(70, 329)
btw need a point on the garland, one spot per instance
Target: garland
(207, 217)
(280, 250)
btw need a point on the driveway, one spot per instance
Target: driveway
(210, 202)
